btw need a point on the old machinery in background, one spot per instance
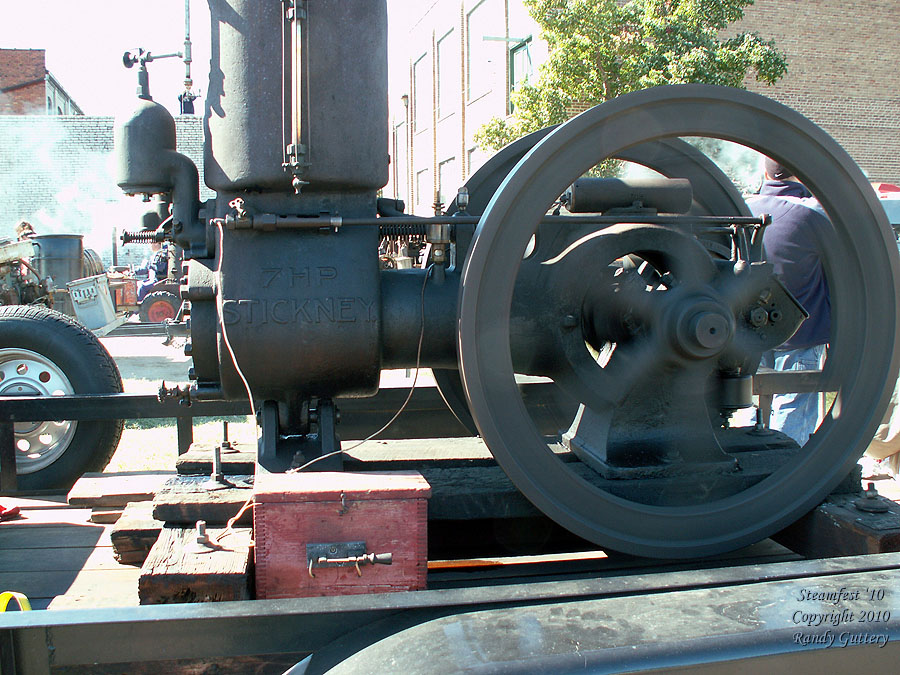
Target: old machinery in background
(647, 305)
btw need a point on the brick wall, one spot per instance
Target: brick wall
(57, 173)
(842, 72)
(20, 67)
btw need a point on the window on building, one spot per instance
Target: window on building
(485, 28)
(49, 105)
(475, 158)
(423, 190)
(520, 67)
(449, 78)
(401, 170)
(422, 94)
(448, 181)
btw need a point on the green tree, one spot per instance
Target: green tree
(600, 49)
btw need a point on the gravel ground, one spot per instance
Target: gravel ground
(152, 445)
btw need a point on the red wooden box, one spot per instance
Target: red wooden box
(307, 516)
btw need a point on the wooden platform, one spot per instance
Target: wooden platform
(59, 559)
(176, 572)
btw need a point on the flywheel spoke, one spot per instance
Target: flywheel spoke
(659, 471)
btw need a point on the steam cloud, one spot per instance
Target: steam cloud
(56, 173)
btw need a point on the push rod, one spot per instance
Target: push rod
(273, 222)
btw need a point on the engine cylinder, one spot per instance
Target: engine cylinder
(343, 78)
(299, 313)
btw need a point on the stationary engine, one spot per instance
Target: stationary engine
(645, 304)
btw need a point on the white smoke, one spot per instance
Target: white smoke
(742, 165)
(58, 176)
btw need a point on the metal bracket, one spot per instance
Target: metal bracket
(343, 554)
(322, 555)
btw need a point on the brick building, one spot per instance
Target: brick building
(28, 88)
(465, 56)
(842, 72)
(57, 173)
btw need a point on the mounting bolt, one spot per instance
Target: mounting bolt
(217, 480)
(758, 317)
(569, 321)
(202, 537)
(870, 503)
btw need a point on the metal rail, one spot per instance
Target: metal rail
(426, 413)
(709, 618)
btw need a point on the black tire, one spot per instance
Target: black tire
(71, 360)
(159, 306)
(91, 263)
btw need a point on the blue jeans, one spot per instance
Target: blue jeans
(795, 414)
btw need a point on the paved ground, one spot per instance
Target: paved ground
(145, 361)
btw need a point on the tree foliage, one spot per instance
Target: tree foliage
(600, 49)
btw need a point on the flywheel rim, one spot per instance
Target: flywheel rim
(489, 277)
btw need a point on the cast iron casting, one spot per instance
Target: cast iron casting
(648, 313)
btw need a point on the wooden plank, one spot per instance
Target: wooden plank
(70, 559)
(41, 584)
(52, 536)
(100, 588)
(91, 583)
(173, 573)
(183, 500)
(49, 516)
(451, 452)
(459, 493)
(47, 501)
(837, 527)
(375, 455)
(134, 533)
(198, 460)
(116, 489)
(105, 516)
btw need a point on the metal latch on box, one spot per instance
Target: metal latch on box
(343, 554)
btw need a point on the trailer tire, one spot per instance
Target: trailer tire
(45, 353)
(159, 306)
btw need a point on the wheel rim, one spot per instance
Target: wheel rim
(864, 320)
(27, 373)
(160, 310)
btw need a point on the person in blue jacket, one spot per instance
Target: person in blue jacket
(157, 270)
(793, 243)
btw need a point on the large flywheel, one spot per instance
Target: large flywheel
(658, 337)
(713, 193)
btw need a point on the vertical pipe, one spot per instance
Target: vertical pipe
(188, 82)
